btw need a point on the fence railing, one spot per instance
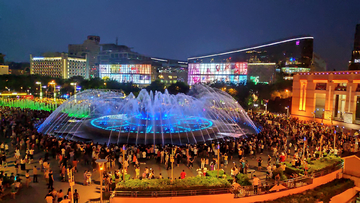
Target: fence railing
(263, 188)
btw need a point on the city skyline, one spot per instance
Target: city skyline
(177, 30)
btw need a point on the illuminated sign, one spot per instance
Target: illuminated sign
(255, 79)
(356, 60)
(123, 73)
(221, 72)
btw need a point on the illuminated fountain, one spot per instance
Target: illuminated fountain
(161, 118)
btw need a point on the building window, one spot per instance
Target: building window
(320, 86)
(341, 87)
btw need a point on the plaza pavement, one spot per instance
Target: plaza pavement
(36, 192)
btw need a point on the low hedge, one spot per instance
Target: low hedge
(321, 193)
(315, 165)
(189, 183)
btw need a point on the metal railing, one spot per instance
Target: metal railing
(263, 188)
(172, 193)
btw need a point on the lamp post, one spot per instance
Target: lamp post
(39, 83)
(101, 163)
(72, 183)
(53, 83)
(218, 161)
(172, 164)
(123, 161)
(74, 84)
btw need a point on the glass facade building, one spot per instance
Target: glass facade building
(289, 55)
(222, 72)
(124, 73)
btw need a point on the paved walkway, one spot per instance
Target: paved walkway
(36, 192)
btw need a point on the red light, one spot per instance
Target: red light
(230, 58)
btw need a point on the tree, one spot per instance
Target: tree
(178, 87)
(156, 86)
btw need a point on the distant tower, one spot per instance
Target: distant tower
(355, 57)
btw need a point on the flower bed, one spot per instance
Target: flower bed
(189, 183)
(321, 193)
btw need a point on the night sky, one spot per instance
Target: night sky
(177, 29)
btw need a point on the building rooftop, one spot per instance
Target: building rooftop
(254, 47)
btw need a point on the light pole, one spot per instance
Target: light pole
(101, 163)
(123, 161)
(39, 83)
(72, 183)
(172, 164)
(53, 83)
(218, 161)
(74, 84)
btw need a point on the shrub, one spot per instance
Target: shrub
(321, 193)
(243, 179)
(189, 183)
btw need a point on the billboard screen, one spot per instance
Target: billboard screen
(217, 72)
(123, 73)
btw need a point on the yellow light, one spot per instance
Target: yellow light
(287, 90)
(12, 94)
(101, 168)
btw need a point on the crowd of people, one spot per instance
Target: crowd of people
(281, 137)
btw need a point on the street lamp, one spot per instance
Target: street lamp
(53, 83)
(74, 84)
(71, 182)
(123, 161)
(101, 163)
(172, 163)
(41, 95)
(218, 162)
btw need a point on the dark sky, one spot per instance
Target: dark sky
(177, 28)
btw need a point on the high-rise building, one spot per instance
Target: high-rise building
(90, 49)
(4, 69)
(288, 56)
(2, 60)
(59, 66)
(355, 57)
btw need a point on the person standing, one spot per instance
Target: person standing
(51, 180)
(183, 174)
(35, 174)
(256, 181)
(27, 176)
(76, 196)
(60, 196)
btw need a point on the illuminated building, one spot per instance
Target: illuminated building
(126, 73)
(289, 56)
(355, 57)
(2, 60)
(22, 68)
(169, 71)
(4, 69)
(222, 72)
(331, 95)
(59, 66)
(89, 49)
